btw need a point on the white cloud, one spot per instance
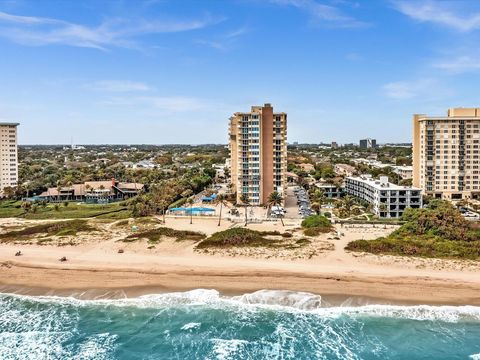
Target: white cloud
(118, 86)
(325, 14)
(225, 41)
(445, 13)
(37, 31)
(426, 89)
(461, 64)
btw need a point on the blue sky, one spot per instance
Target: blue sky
(172, 71)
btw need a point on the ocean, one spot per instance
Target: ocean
(202, 324)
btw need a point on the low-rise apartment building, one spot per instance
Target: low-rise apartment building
(405, 172)
(388, 200)
(330, 191)
(8, 156)
(94, 192)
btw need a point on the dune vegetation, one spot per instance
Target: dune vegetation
(437, 231)
(60, 228)
(155, 235)
(316, 224)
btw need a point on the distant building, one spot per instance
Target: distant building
(388, 200)
(405, 172)
(334, 145)
(306, 167)
(368, 143)
(344, 170)
(93, 192)
(446, 153)
(258, 153)
(8, 155)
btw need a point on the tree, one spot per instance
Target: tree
(9, 192)
(275, 199)
(245, 203)
(222, 201)
(318, 198)
(59, 190)
(26, 206)
(190, 202)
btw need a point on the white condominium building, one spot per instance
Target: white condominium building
(388, 200)
(446, 152)
(8, 156)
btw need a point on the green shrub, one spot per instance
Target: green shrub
(316, 221)
(438, 231)
(315, 225)
(239, 237)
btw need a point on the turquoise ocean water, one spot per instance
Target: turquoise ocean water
(201, 324)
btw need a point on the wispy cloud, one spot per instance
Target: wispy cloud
(460, 64)
(426, 89)
(446, 13)
(118, 86)
(225, 41)
(323, 14)
(117, 32)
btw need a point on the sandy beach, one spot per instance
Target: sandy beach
(94, 267)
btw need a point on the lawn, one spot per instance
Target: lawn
(73, 211)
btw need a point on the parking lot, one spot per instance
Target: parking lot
(297, 204)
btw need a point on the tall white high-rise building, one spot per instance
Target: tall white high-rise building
(8, 155)
(446, 154)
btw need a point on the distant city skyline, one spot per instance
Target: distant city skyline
(170, 72)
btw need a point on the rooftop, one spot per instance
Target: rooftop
(382, 183)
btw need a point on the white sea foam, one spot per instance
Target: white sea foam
(191, 326)
(271, 299)
(284, 298)
(475, 356)
(226, 349)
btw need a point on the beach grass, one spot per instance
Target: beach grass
(238, 237)
(155, 235)
(421, 246)
(60, 228)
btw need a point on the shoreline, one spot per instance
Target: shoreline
(110, 283)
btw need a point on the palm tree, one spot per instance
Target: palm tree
(222, 200)
(319, 198)
(245, 201)
(275, 199)
(59, 189)
(190, 202)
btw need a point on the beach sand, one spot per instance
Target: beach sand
(95, 267)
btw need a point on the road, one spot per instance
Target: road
(291, 205)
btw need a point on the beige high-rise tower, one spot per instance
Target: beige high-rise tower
(446, 154)
(8, 156)
(258, 152)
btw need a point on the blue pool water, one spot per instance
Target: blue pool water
(201, 324)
